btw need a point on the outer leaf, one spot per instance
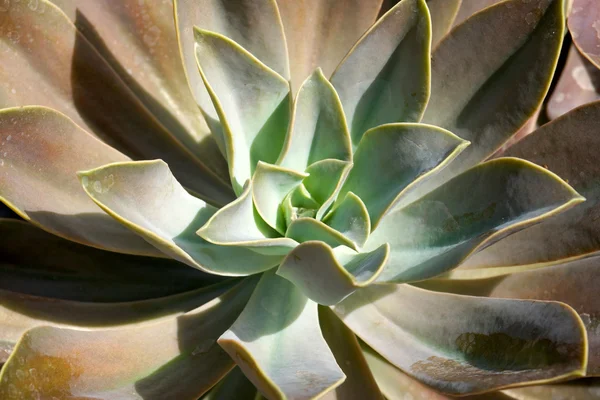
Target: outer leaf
(37, 263)
(276, 341)
(351, 219)
(318, 128)
(319, 34)
(585, 28)
(40, 151)
(307, 229)
(271, 184)
(443, 13)
(237, 224)
(147, 199)
(359, 384)
(485, 344)
(22, 312)
(434, 234)
(575, 160)
(393, 86)
(255, 25)
(252, 102)
(581, 389)
(393, 159)
(579, 84)
(47, 62)
(234, 386)
(574, 282)
(328, 276)
(139, 41)
(469, 8)
(184, 361)
(508, 48)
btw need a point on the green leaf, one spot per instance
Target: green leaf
(359, 384)
(37, 263)
(507, 51)
(271, 184)
(276, 341)
(234, 385)
(393, 159)
(320, 34)
(443, 13)
(325, 181)
(434, 234)
(147, 199)
(307, 229)
(173, 357)
(139, 41)
(238, 224)
(574, 281)
(583, 24)
(251, 100)
(485, 344)
(351, 219)
(393, 84)
(318, 129)
(40, 152)
(68, 74)
(567, 146)
(327, 275)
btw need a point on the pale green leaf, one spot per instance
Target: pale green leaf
(276, 341)
(394, 159)
(175, 357)
(238, 224)
(327, 275)
(385, 77)
(325, 181)
(351, 219)
(507, 51)
(147, 199)
(465, 345)
(251, 100)
(478, 207)
(318, 128)
(305, 229)
(40, 152)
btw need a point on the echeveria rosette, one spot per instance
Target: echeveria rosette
(365, 204)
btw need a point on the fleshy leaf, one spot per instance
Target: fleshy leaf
(434, 234)
(251, 100)
(443, 13)
(271, 184)
(359, 384)
(238, 224)
(573, 281)
(175, 357)
(234, 386)
(307, 229)
(325, 180)
(585, 28)
(25, 312)
(581, 389)
(579, 84)
(40, 152)
(567, 146)
(507, 49)
(485, 344)
(320, 34)
(139, 41)
(276, 341)
(327, 275)
(385, 77)
(395, 158)
(37, 263)
(469, 8)
(318, 128)
(147, 199)
(351, 219)
(68, 74)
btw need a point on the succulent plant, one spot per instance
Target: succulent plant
(370, 216)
